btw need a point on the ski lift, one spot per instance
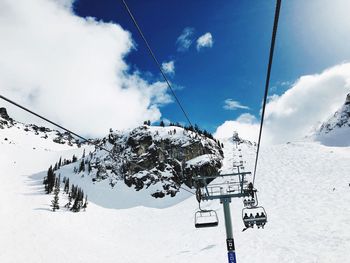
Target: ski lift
(255, 215)
(249, 202)
(206, 218)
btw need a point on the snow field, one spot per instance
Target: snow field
(304, 188)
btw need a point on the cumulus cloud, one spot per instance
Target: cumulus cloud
(246, 125)
(184, 41)
(169, 67)
(312, 99)
(230, 104)
(72, 69)
(205, 41)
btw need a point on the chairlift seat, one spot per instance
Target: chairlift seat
(260, 220)
(206, 218)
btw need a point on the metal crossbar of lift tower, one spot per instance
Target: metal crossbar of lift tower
(214, 196)
(226, 189)
(219, 175)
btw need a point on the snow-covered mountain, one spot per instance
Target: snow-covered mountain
(336, 130)
(156, 161)
(303, 186)
(152, 159)
(14, 131)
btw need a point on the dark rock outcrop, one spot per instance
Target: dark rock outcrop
(160, 158)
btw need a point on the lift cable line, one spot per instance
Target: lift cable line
(160, 68)
(237, 184)
(113, 156)
(273, 39)
(156, 61)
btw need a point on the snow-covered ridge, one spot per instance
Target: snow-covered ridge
(14, 132)
(336, 130)
(154, 160)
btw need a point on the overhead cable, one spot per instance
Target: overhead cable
(113, 156)
(267, 83)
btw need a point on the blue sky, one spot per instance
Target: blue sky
(62, 63)
(235, 66)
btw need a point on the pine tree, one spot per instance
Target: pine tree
(66, 186)
(85, 203)
(89, 167)
(75, 207)
(82, 166)
(74, 159)
(161, 124)
(51, 178)
(45, 182)
(73, 191)
(83, 154)
(69, 201)
(60, 163)
(54, 203)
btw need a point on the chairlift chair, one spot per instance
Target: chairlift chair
(255, 215)
(249, 202)
(206, 218)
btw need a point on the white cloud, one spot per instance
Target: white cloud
(72, 69)
(246, 126)
(233, 105)
(205, 40)
(291, 116)
(169, 67)
(184, 41)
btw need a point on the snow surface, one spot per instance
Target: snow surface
(304, 188)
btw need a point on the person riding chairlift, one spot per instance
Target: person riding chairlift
(246, 224)
(263, 217)
(258, 220)
(251, 222)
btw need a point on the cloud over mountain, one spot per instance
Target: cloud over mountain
(292, 115)
(72, 69)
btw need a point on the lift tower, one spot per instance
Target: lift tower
(224, 188)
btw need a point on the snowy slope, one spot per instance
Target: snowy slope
(162, 159)
(304, 188)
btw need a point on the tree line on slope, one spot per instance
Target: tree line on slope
(75, 194)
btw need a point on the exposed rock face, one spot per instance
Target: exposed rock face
(347, 101)
(5, 120)
(160, 158)
(341, 118)
(3, 114)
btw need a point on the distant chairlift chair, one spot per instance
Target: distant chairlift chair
(206, 218)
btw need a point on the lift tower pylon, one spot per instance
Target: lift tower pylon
(224, 187)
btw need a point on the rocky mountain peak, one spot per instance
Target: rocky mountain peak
(347, 101)
(336, 130)
(341, 118)
(156, 159)
(3, 114)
